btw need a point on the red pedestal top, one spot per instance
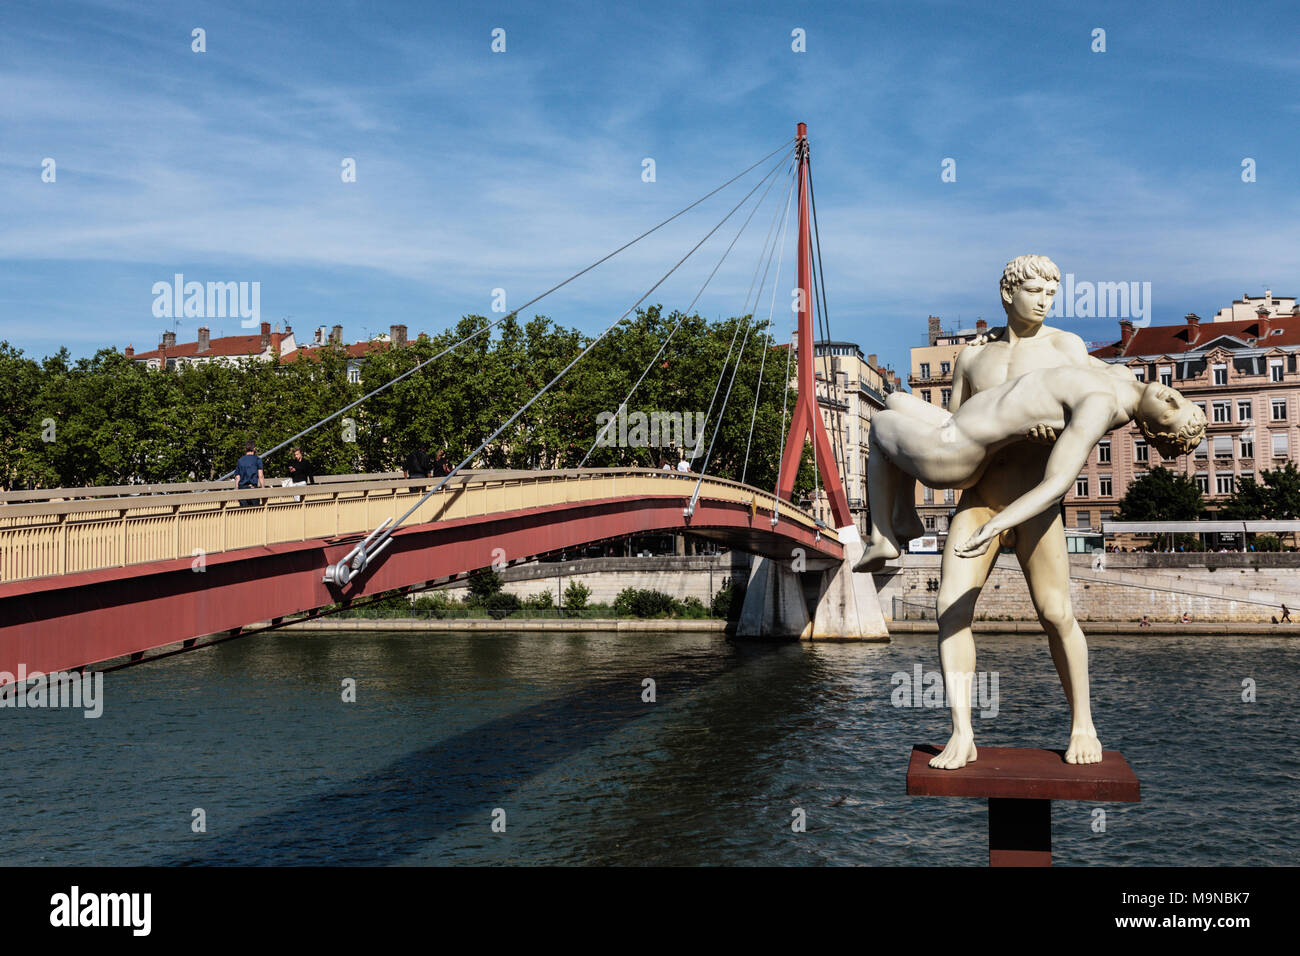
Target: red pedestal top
(1020, 773)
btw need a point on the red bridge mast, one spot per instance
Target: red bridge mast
(807, 418)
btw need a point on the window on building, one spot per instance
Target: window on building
(1167, 375)
(1104, 486)
(1281, 446)
(929, 522)
(354, 375)
(1279, 409)
(1275, 370)
(945, 395)
(1222, 446)
(1223, 484)
(1203, 449)
(925, 395)
(1222, 411)
(1247, 446)
(927, 495)
(1220, 374)
(1081, 486)
(1202, 482)
(1141, 450)
(1083, 519)
(1140, 373)
(1107, 516)
(925, 370)
(949, 496)
(1246, 474)
(1244, 412)
(945, 368)
(1103, 452)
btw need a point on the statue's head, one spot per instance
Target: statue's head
(1169, 421)
(1029, 284)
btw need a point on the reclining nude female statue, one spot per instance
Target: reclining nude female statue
(913, 439)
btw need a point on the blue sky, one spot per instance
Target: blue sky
(479, 170)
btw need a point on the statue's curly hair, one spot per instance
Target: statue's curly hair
(1179, 441)
(1023, 267)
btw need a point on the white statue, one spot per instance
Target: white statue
(1011, 487)
(913, 439)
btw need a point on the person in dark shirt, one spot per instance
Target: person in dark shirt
(301, 469)
(441, 467)
(417, 465)
(249, 472)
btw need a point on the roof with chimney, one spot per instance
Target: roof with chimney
(1194, 335)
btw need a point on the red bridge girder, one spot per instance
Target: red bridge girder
(78, 620)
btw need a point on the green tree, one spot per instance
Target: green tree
(1276, 496)
(1161, 495)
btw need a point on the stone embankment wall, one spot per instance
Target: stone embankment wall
(1207, 587)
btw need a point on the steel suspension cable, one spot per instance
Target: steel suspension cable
(825, 313)
(516, 312)
(381, 536)
(771, 338)
(683, 315)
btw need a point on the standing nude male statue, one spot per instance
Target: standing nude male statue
(1024, 345)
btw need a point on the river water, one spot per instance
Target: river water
(551, 730)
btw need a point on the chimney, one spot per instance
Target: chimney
(288, 329)
(1265, 321)
(935, 330)
(981, 326)
(169, 340)
(320, 335)
(336, 335)
(1125, 334)
(1193, 327)
(130, 352)
(203, 338)
(871, 360)
(397, 335)
(266, 334)
(1268, 297)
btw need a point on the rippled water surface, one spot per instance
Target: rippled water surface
(552, 729)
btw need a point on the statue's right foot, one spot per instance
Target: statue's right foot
(874, 558)
(959, 752)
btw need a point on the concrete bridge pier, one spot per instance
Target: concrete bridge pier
(848, 608)
(844, 605)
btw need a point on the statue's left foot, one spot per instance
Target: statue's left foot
(1084, 748)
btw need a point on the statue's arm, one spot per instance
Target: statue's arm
(1088, 423)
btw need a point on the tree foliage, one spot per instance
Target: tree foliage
(107, 420)
(1161, 495)
(1275, 496)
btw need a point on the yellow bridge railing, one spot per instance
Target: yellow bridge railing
(89, 532)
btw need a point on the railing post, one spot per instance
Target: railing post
(176, 531)
(121, 551)
(64, 537)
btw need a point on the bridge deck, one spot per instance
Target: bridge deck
(67, 537)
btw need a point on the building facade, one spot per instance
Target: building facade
(1244, 377)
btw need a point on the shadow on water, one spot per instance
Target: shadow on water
(385, 815)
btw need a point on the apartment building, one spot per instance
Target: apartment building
(1243, 375)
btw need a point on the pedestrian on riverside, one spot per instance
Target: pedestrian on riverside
(1144, 622)
(1186, 619)
(683, 465)
(1286, 615)
(249, 472)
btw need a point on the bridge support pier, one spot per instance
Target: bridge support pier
(847, 607)
(774, 603)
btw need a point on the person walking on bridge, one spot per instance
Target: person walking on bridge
(249, 472)
(418, 464)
